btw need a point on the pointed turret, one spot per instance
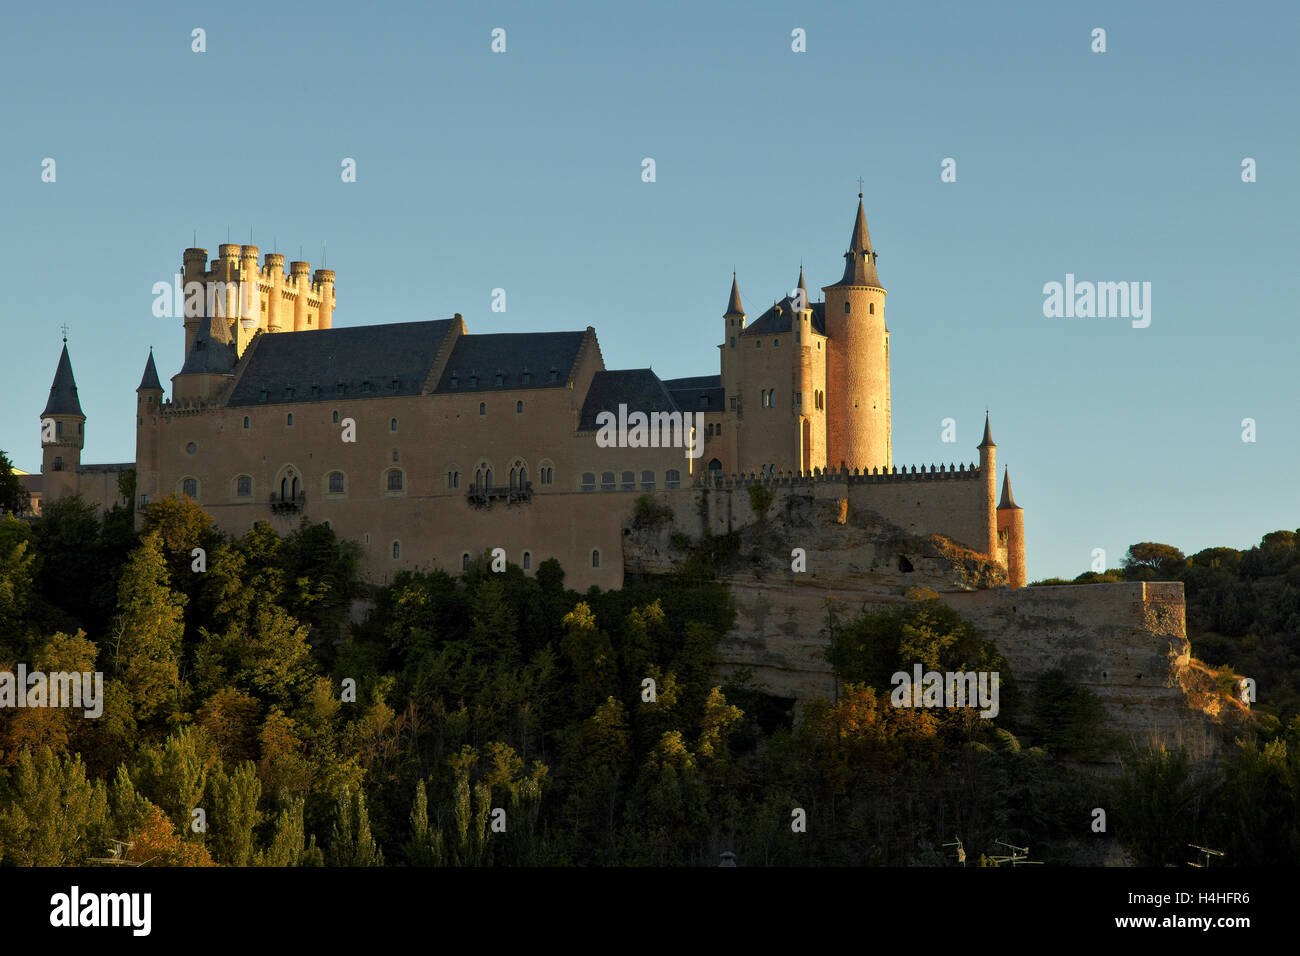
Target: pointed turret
(860, 260)
(63, 393)
(208, 354)
(149, 381)
(733, 305)
(802, 284)
(1007, 503)
(988, 435)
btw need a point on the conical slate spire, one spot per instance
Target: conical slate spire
(734, 307)
(150, 379)
(63, 393)
(860, 260)
(1007, 503)
(208, 353)
(802, 284)
(988, 435)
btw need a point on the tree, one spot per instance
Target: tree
(1148, 560)
(54, 816)
(233, 799)
(352, 843)
(147, 643)
(14, 499)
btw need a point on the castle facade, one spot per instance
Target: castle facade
(429, 445)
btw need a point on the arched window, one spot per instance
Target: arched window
(528, 560)
(392, 424)
(871, 308)
(846, 307)
(478, 478)
(606, 481)
(335, 418)
(487, 477)
(629, 481)
(464, 561)
(519, 408)
(715, 467)
(190, 488)
(247, 422)
(288, 419)
(293, 487)
(244, 486)
(647, 480)
(595, 559)
(588, 481)
(672, 478)
(397, 550)
(482, 408)
(336, 482)
(514, 478)
(394, 479)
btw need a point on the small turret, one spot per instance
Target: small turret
(61, 446)
(1011, 534)
(989, 475)
(148, 405)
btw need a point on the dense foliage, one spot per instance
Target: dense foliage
(271, 710)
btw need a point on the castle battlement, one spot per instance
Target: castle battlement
(842, 476)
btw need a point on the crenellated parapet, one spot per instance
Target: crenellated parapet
(843, 476)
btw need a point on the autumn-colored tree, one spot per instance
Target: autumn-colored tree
(156, 843)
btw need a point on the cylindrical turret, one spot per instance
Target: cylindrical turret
(989, 481)
(1011, 526)
(324, 282)
(858, 427)
(274, 267)
(299, 281)
(193, 270)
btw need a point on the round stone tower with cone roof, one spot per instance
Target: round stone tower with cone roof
(858, 429)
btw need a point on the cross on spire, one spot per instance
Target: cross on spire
(64, 327)
(859, 187)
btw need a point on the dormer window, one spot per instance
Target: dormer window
(365, 388)
(288, 391)
(501, 378)
(555, 374)
(339, 388)
(473, 381)
(455, 382)
(315, 391)
(527, 377)
(265, 394)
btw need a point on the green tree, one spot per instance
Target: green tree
(14, 499)
(146, 645)
(233, 799)
(53, 815)
(352, 843)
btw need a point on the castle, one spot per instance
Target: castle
(428, 445)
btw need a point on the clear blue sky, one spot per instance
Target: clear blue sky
(522, 170)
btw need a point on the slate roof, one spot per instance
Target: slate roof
(63, 393)
(477, 360)
(1007, 503)
(640, 389)
(369, 354)
(688, 393)
(150, 378)
(860, 260)
(208, 353)
(773, 322)
(733, 304)
(988, 435)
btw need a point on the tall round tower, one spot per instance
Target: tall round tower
(858, 430)
(62, 433)
(1011, 528)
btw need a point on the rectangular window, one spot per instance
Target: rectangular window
(647, 480)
